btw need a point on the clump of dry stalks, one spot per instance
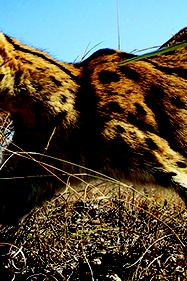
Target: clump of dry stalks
(101, 230)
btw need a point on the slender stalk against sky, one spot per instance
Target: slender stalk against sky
(118, 24)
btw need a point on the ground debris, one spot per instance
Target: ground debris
(96, 239)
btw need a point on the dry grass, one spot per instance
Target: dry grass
(98, 231)
(6, 129)
(85, 236)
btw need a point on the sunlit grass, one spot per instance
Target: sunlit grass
(155, 53)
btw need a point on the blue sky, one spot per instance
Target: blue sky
(66, 28)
